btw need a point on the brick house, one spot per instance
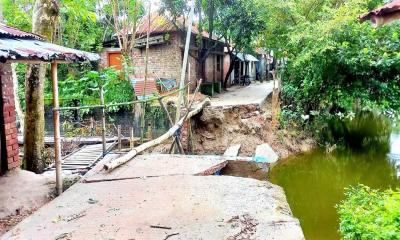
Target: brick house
(166, 46)
(19, 46)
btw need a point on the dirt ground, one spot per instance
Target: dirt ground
(218, 128)
(21, 193)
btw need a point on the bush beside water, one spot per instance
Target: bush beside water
(370, 214)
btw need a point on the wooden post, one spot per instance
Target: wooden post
(134, 152)
(142, 122)
(188, 90)
(131, 142)
(184, 64)
(176, 140)
(189, 137)
(268, 67)
(57, 134)
(103, 121)
(149, 133)
(119, 138)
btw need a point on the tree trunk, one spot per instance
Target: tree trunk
(45, 13)
(18, 108)
(34, 118)
(231, 65)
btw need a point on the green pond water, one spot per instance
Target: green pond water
(314, 183)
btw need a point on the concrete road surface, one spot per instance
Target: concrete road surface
(256, 93)
(158, 197)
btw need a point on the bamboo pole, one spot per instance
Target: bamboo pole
(103, 121)
(57, 134)
(122, 104)
(143, 119)
(184, 64)
(134, 152)
(119, 138)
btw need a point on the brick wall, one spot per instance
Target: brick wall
(164, 61)
(8, 123)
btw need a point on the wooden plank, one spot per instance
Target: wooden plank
(85, 157)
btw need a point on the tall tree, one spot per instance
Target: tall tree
(236, 21)
(44, 17)
(239, 23)
(123, 16)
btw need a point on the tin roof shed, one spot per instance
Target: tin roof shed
(18, 45)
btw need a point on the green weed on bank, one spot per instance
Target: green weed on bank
(370, 214)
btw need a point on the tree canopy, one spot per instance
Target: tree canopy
(334, 63)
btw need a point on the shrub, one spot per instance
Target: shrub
(370, 214)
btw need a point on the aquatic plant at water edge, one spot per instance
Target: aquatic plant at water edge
(370, 214)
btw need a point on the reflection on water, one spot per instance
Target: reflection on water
(395, 151)
(314, 183)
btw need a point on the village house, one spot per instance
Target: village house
(166, 46)
(19, 46)
(245, 65)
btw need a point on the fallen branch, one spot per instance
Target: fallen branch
(170, 235)
(171, 132)
(160, 227)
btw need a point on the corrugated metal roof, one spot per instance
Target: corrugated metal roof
(161, 24)
(7, 31)
(19, 45)
(151, 87)
(389, 8)
(246, 57)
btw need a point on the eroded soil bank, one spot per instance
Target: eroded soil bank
(249, 125)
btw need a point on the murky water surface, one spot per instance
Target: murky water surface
(314, 183)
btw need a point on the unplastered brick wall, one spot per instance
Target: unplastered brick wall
(164, 60)
(8, 124)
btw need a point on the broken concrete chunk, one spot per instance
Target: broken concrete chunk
(265, 154)
(232, 151)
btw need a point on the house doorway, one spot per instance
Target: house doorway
(115, 60)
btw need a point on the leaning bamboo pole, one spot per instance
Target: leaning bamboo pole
(184, 65)
(171, 132)
(143, 119)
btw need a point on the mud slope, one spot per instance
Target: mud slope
(217, 128)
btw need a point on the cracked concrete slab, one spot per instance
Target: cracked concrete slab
(162, 165)
(177, 207)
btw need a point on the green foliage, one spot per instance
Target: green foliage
(334, 63)
(84, 89)
(18, 13)
(239, 21)
(370, 214)
(175, 7)
(80, 27)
